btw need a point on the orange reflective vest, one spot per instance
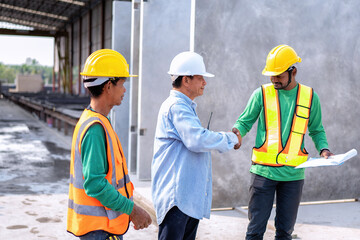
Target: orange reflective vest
(85, 213)
(271, 152)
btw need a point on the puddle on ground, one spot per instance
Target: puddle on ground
(30, 162)
(55, 150)
(14, 128)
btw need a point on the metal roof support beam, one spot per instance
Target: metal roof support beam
(67, 67)
(59, 79)
(27, 23)
(59, 62)
(102, 24)
(31, 11)
(73, 2)
(80, 53)
(90, 32)
(71, 57)
(39, 33)
(53, 72)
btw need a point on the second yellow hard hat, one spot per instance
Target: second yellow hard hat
(279, 59)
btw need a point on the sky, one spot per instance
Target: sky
(15, 49)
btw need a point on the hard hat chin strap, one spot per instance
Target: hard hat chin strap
(290, 69)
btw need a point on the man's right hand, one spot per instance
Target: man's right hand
(140, 218)
(236, 131)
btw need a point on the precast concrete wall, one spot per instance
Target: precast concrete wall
(121, 43)
(108, 24)
(134, 87)
(164, 32)
(235, 37)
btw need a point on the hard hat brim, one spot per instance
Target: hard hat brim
(206, 74)
(104, 75)
(270, 73)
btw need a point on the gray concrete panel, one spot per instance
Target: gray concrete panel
(108, 24)
(121, 43)
(235, 37)
(165, 33)
(134, 87)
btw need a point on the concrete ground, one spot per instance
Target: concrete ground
(34, 169)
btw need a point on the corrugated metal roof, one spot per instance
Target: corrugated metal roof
(47, 17)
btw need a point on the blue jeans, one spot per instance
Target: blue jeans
(178, 226)
(100, 235)
(262, 192)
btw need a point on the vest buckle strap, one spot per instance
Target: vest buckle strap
(302, 111)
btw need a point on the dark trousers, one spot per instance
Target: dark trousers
(100, 235)
(262, 192)
(178, 226)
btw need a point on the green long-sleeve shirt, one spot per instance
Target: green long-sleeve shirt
(95, 168)
(255, 110)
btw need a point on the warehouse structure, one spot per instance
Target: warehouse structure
(234, 37)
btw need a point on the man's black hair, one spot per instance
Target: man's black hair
(177, 82)
(96, 91)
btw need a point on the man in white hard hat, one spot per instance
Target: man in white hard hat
(181, 166)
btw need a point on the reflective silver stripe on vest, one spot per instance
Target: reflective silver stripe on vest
(93, 210)
(79, 181)
(121, 183)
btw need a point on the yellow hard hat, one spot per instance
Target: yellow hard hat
(279, 59)
(106, 63)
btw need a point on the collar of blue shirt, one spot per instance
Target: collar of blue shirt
(178, 94)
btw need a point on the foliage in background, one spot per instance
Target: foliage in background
(8, 72)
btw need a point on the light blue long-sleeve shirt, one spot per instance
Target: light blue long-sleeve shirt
(181, 166)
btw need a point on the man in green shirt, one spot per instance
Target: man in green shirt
(100, 193)
(284, 109)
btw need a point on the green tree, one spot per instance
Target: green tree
(8, 72)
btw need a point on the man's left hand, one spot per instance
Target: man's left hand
(326, 153)
(140, 218)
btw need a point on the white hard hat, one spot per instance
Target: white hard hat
(188, 64)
